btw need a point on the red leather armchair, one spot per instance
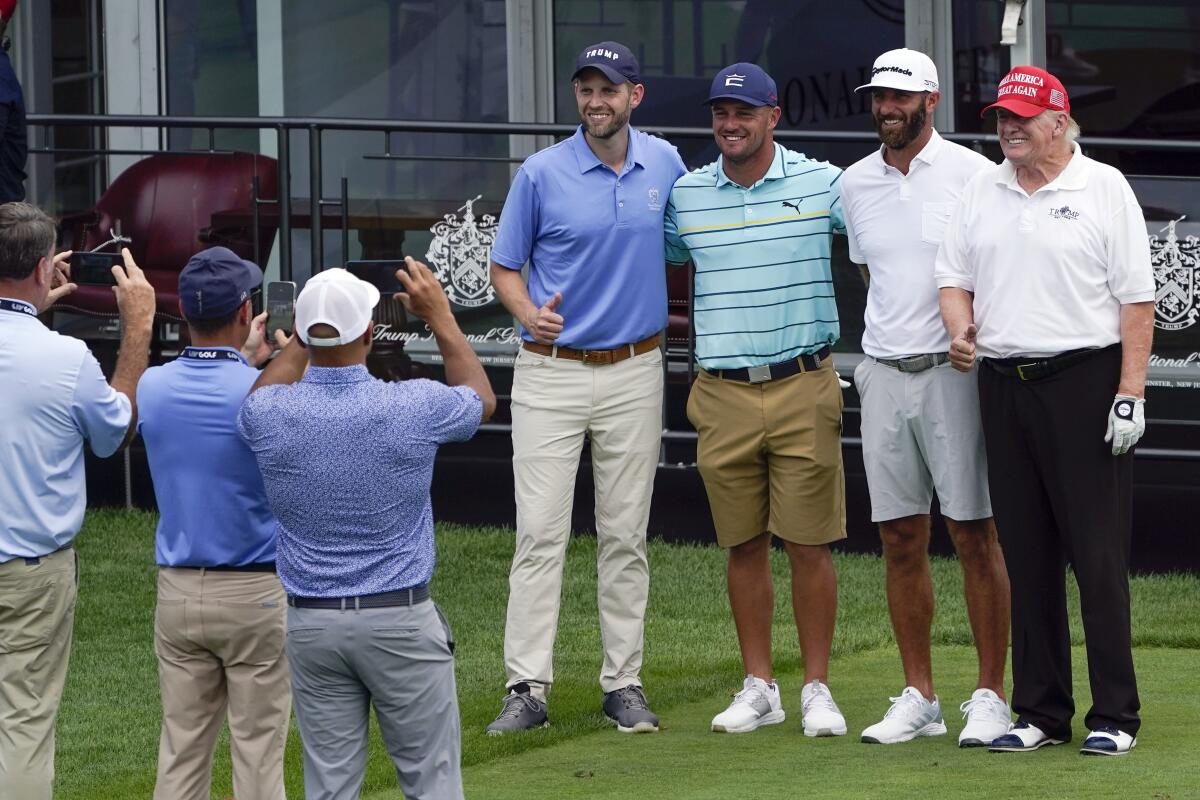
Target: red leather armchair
(164, 203)
(678, 322)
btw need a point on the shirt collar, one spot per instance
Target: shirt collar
(927, 155)
(774, 172)
(1073, 177)
(352, 374)
(233, 350)
(588, 160)
(20, 308)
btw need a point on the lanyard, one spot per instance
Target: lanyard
(209, 354)
(18, 306)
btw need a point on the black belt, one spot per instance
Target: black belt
(918, 363)
(33, 561)
(773, 372)
(400, 597)
(1029, 368)
(262, 566)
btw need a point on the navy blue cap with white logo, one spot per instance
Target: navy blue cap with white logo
(216, 282)
(745, 82)
(614, 59)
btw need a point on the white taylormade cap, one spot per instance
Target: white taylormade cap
(338, 299)
(904, 70)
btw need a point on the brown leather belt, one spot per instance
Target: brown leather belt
(595, 356)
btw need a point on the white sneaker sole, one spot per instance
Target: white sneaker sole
(932, 729)
(640, 727)
(1026, 748)
(974, 741)
(770, 718)
(840, 731)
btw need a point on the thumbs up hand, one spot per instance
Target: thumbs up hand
(546, 324)
(962, 350)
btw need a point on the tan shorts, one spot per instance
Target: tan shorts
(771, 456)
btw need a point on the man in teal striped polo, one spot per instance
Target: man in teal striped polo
(757, 224)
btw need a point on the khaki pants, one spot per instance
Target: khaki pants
(555, 403)
(219, 639)
(37, 614)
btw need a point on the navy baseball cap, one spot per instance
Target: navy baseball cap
(216, 282)
(745, 82)
(614, 59)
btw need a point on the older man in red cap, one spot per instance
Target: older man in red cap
(13, 147)
(1045, 273)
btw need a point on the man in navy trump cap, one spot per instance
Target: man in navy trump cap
(586, 214)
(219, 621)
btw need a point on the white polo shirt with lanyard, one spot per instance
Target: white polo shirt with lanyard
(54, 397)
(894, 224)
(1050, 270)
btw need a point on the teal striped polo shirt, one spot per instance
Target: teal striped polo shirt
(764, 290)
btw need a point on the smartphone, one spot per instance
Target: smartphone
(281, 307)
(94, 269)
(381, 274)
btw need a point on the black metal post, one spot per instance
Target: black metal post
(283, 150)
(345, 220)
(317, 256)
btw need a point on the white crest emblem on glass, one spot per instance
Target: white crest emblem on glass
(459, 255)
(1176, 288)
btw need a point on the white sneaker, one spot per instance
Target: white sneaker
(988, 718)
(821, 715)
(910, 716)
(755, 705)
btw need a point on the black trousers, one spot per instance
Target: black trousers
(1061, 497)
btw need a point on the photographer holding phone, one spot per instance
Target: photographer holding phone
(347, 461)
(55, 398)
(219, 619)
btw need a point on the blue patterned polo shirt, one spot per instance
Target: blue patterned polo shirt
(347, 461)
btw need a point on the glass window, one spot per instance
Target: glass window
(979, 63)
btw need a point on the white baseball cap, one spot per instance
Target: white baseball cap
(338, 299)
(904, 70)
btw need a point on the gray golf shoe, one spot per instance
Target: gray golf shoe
(521, 711)
(627, 708)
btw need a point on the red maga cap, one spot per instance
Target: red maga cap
(1028, 91)
(7, 7)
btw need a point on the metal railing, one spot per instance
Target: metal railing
(316, 127)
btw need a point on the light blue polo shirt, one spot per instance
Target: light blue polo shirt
(594, 236)
(213, 509)
(764, 290)
(53, 398)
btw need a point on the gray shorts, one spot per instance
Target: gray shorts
(921, 432)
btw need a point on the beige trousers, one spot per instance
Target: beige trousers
(555, 403)
(219, 638)
(37, 614)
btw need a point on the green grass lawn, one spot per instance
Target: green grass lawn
(108, 727)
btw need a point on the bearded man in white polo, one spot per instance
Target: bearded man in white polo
(920, 417)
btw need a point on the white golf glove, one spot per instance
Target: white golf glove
(1126, 423)
(842, 382)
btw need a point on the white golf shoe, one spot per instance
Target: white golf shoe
(988, 718)
(910, 716)
(757, 704)
(822, 717)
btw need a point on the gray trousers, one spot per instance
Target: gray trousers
(399, 660)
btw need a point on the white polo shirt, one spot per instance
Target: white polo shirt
(54, 396)
(894, 224)
(1050, 270)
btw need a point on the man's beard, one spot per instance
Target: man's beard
(618, 120)
(907, 134)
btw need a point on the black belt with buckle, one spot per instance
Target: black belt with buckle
(1029, 368)
(261, 566)
(918, 363)
(773, 372)
(400, 597)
